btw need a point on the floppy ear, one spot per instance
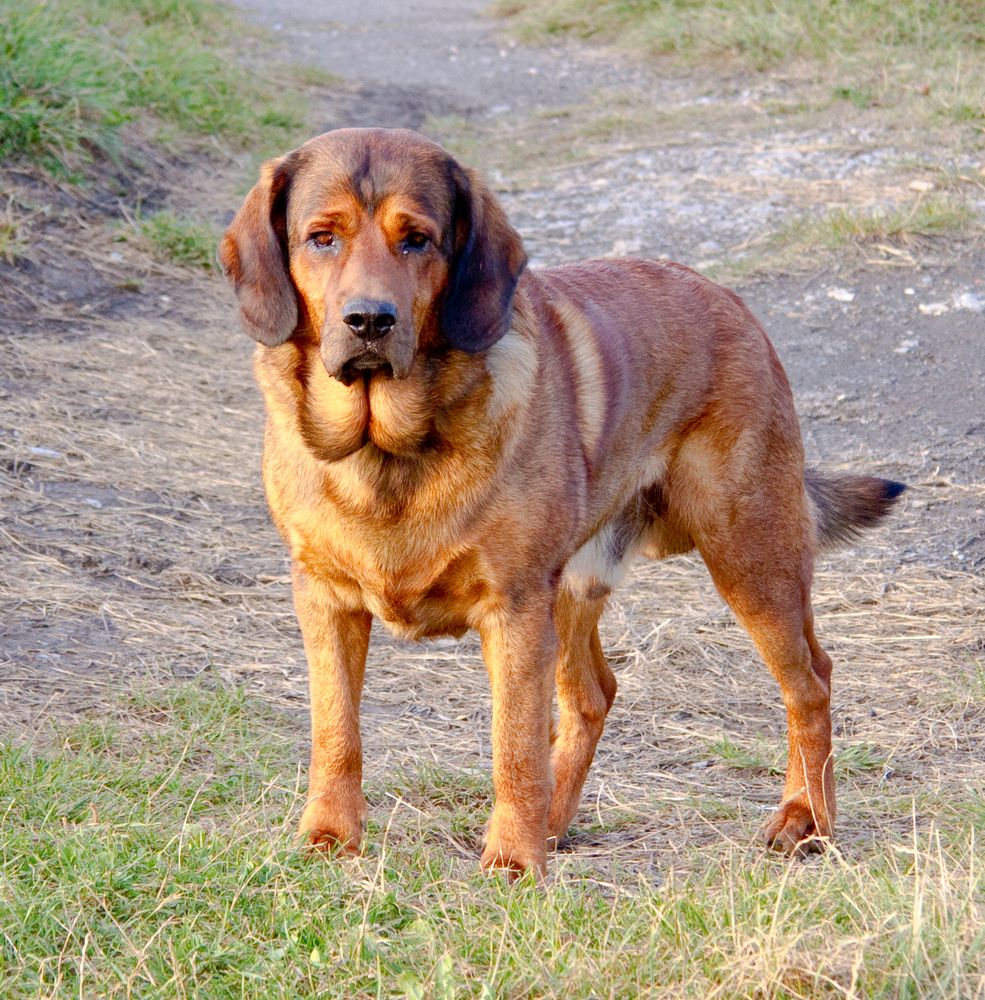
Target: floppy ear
(486, 265)
(253, 256)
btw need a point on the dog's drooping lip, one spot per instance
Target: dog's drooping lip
(364, 367)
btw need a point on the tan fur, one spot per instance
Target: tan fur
(499, 456)
(589, 377)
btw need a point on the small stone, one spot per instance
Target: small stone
(970, 302)
(905, 346)
(841, 294)
(909, 291)
(933, 308)
(625, 248)
(921, 186)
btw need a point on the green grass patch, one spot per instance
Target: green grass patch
(763, 32)
(179, 240)
(847, 234)
(762, 757)
(149, 854)
(928, 216)
(75, 73)
(877, 48)
(11, 238)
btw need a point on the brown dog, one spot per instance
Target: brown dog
(454, 442)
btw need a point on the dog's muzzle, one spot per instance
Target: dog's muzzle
(369, 339)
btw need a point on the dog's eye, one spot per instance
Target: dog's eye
(322, 240)
(414, 241)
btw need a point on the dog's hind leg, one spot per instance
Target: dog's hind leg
(785, 638)
(586, 688)
(761, 558)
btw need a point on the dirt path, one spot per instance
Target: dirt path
(135, 547)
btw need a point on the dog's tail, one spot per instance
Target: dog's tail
(844, 506)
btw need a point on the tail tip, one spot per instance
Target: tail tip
(891, 490)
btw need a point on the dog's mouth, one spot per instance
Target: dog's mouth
(365, 367)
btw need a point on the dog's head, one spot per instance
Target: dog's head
(379, 245)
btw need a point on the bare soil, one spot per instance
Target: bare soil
(135, 547)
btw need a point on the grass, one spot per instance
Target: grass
(76, 75)
(179, 240)
(927, 216)
(760, 756)
(151, 856)
(876, 49)
(764, 32)
(11, 238)
(852, 234)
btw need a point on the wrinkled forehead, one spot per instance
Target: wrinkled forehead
(372, 168)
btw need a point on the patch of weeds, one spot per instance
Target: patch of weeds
(978, 683)
(612, 819)
(179, 240)
(73, 73)
(929, 216)
(857, 758)
(57, 95)
(917, 47)
(765, 758)
(763, 34)
(91, 736)
(12, 243)
(761, 758)
(844, 231)
(313, 76)
(713, 808)
(443, 802)
(432, 785)
(860, 96)
(968, 112)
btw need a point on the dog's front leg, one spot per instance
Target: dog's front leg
(520, 647)
(336, 639)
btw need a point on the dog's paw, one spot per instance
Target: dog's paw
(329, 823)
(794, 829)
(514, 861)
(509, 848)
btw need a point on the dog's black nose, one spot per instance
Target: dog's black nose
(369, 319)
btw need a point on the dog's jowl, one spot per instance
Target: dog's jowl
(455, 442)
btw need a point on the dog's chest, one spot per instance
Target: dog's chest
(419, 608)
(416, 590)
(438, 611)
